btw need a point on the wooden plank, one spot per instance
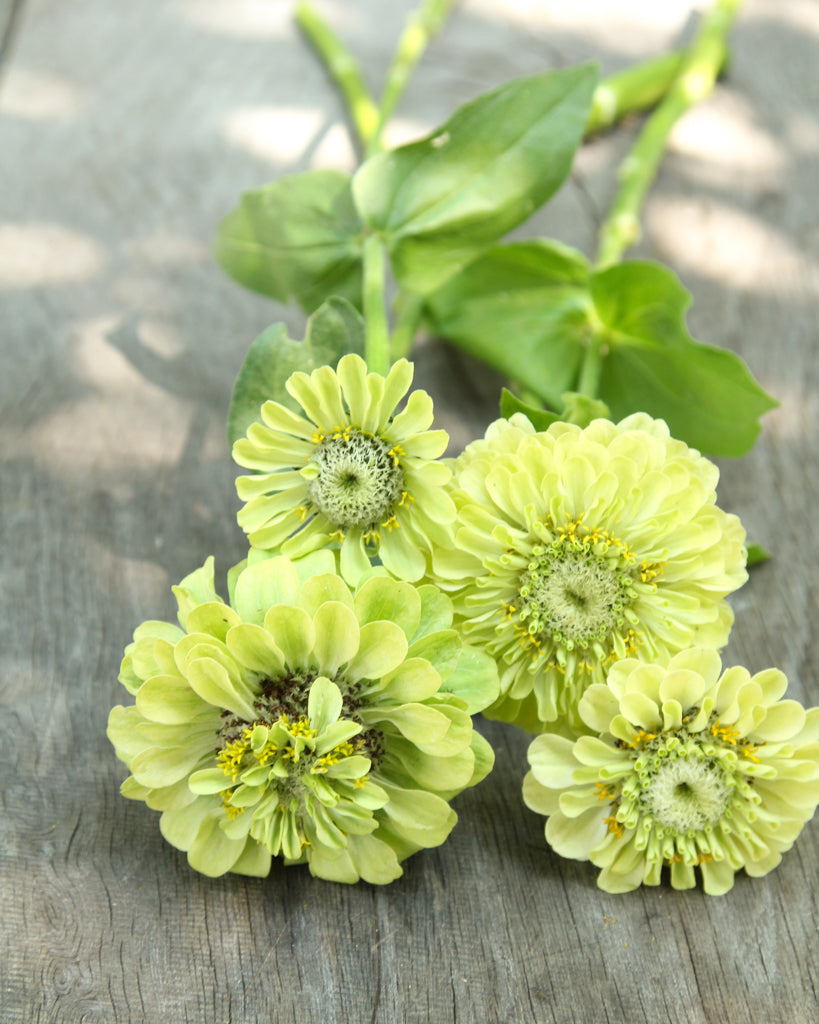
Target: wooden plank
(127, 130)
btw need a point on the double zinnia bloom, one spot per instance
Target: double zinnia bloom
(685, 767)
(576, 548)
(303, 720)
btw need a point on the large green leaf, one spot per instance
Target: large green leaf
(333, 330)
(707, 395)
(441, 201)
(524, 309)
(530, 309)
(297, 238)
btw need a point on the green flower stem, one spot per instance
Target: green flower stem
(632, 90)
(344, 69)
(422, 26)
(377, 334)
(592, 367)
(693, 83)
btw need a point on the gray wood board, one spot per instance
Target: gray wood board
(127, 131)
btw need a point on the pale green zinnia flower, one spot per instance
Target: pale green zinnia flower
(304, 720)
(686, 768)
(577, 547)
(350, 470)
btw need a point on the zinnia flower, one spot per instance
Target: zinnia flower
(348, 470)
(305, 721)
(687, 768)
(576, 547)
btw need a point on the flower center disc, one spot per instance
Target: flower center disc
(573, 596)
(686, 794)
(359, 480)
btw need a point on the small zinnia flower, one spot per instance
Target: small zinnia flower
(687, 768)
(349, 470)
(304, 720)
(577, 547)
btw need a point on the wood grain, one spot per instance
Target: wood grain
(127, 131)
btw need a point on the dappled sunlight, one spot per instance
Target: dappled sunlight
(254, 19)
(724, 144)
(334, 150)
(34, 254)
(797, 417)
(142, 421)
(278, 134)
(802, 14)
(603, 22)
(161, 250)
(724, 243)
(401, 130)
(40, 96)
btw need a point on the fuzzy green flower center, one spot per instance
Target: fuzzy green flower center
(360, 479)
(686, 794)
(576, 597)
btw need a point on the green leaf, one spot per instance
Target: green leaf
(333, 330)
(541, 419)
(531, 308)
(757, 555)
(297, 238)
(440, 202)
(576, 408)
(524, 308)
(706, 395)
(580, 409)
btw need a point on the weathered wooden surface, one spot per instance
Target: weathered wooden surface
(127, 130)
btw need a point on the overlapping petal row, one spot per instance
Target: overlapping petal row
(348, 469)
(685, 767)
(303, 720)
(578, 547)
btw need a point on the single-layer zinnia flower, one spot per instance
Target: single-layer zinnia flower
(303, 720)
(684, 768)
(349, 470)
(577, 547)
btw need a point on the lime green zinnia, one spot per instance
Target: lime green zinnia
(687, 768)
(576, 547)
(303, 720)
(349, 470)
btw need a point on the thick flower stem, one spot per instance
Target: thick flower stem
(694, 82)
(592, 367)
(632, 90)
(377, 335)
(422, 26)
(344, 69)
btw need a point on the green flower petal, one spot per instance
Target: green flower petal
(180, 827)
(382, 598)
(253, 647)
(352, 376)
(421, 817)
(195, 589)
(552, 761)
(576, 837)
(337, 636)
(474, 680)
(324, 704)
(260, 586)
(382, 648)
(293, 633)
(212, 853)
(317, 590)
(374, 860)
(169, 699)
